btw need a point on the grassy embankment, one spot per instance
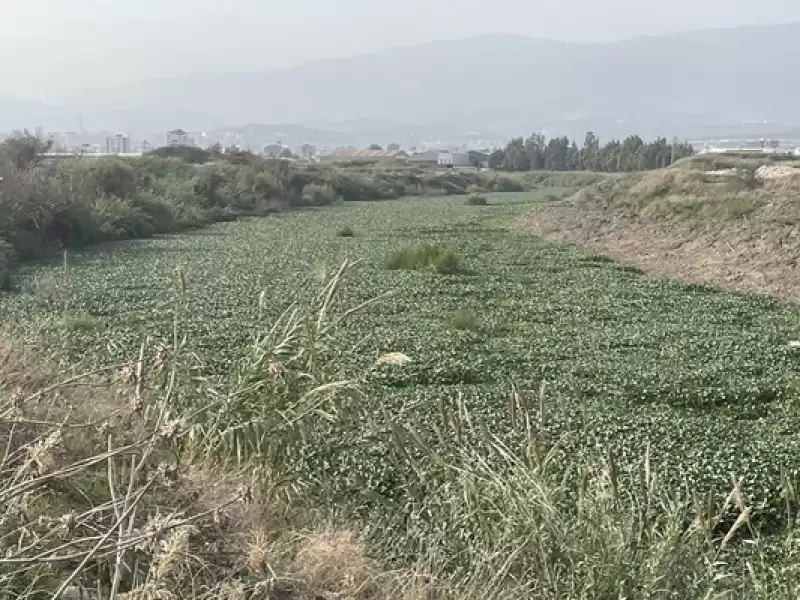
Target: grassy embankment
(516, 420)
(725, 220)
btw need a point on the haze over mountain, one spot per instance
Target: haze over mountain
(694, 83)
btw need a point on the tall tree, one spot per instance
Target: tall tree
(561, 154)
(590, 152)
(23, 149)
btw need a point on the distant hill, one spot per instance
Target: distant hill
(696, 84)
(28, 114)
(21, 114)
(712, 79)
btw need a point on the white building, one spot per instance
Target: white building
(463, 160)
(453, 159)
(118, 144)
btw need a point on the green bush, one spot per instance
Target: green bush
(346, 232)
(424, 256)
(114, 177)
(319, 195)
(355, 187)
(159, 213)
(117, 219)
(476, 200)
(190, 154)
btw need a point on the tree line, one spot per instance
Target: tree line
(561, 154)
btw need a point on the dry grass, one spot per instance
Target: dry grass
(20, 370)
(738, 231)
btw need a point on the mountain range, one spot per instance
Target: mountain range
(700, 83)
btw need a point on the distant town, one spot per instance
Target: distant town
(766, 145)
(451, 153)
(473, 153)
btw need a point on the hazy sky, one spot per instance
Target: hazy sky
(50, 47)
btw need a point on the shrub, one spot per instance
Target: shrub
(504, 184)
(117, 219)
(114, 177)
(424, 256)
(189, 154)
(159, 213)
(345, 232)
(476, 200)
(319, 195)
(355, 187)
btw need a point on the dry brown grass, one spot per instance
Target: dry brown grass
(738, 231)
(19, 368)
(104, 505)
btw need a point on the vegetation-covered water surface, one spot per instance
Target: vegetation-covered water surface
(622, 359)
(464, 333)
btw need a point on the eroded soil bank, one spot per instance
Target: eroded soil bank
(755, 253)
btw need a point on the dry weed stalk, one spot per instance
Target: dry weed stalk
(46, 541)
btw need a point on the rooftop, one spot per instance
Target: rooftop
(363, 153)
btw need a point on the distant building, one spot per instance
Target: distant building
(453, 160)
(307, 151)
(118, 144)
(274, 150)
(463, 160)
(178, 137)
(430, 157)
(364, 156)
(479, 158)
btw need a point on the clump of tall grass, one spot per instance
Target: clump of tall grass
(476, 199)
(544, 524)
(420, 257)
